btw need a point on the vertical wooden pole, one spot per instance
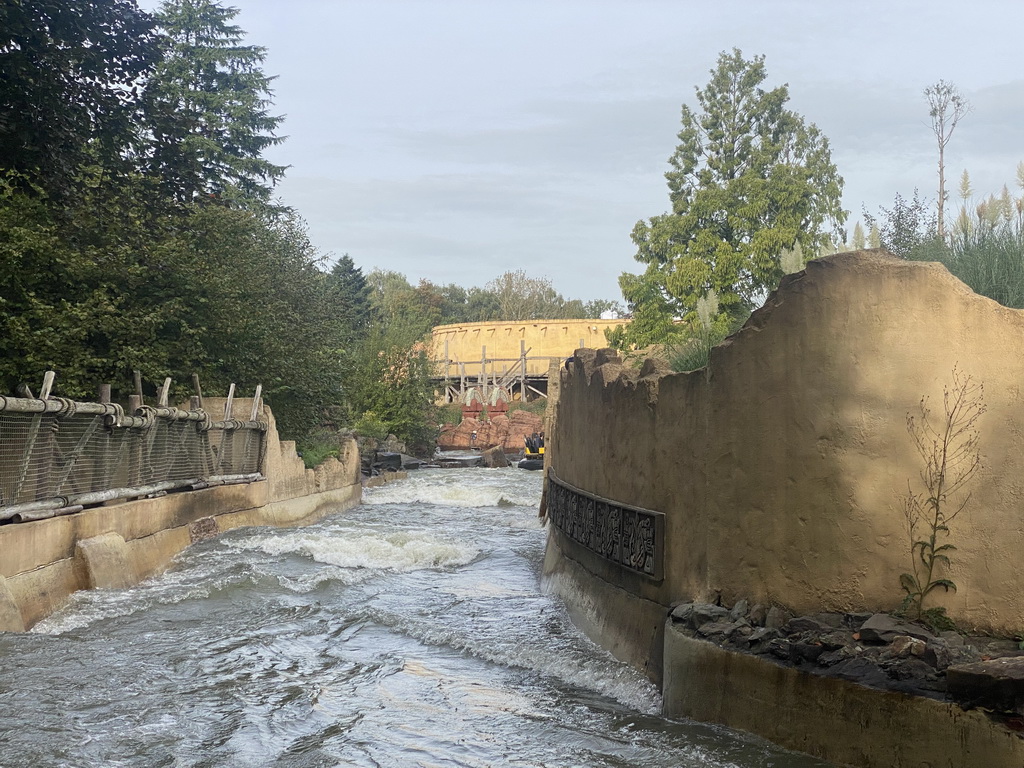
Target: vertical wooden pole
(229, 403)
(483, 372)
(137, 378)
(522, 371)
(165, 394)
(103, 393)
(198, 390)
(48, 377)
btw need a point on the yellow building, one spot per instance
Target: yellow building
(462, 348)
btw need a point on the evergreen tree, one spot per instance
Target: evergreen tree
(207, 106)
(350, 296)
(68, 71)
(748, 179)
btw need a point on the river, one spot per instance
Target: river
(410, 631)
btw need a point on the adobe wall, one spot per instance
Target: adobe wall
(43, 562)
(780, 467)
(543, 338)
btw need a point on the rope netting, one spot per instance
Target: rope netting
(69, 457)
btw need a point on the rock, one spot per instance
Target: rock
(763, 634)
(739, 611)
(953, 639)
(681, 613)
(937, 654)
(494, 458)
(831, 658)
(997, 684)
(835, 640)
(833, 620)
(508, 431)
(803, 624)
(883, 628)
(723, 628)
(904, 646)
(860, 670)
(757, 615)
(779, 647)
(776, 618)
(805, 651)
(704, 612)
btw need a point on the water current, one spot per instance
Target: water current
(409, 631)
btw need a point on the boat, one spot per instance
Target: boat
(533, 457)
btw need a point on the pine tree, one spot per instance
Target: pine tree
(350, 296)
(208, 103)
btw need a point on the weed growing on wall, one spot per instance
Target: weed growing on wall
(949, 449)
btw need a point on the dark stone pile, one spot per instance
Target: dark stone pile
(876, 650)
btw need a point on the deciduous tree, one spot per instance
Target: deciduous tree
(748, 179)
(946, 107)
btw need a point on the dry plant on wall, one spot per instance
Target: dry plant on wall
(951, 456)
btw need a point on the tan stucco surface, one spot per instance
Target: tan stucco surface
(839, 721)
(44, 561)
(543, 338)
(781, 466)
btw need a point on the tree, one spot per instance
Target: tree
(904, 228)
(748, 179)
(350, 298)
(69, 72)
(946, 106)
(207, 104)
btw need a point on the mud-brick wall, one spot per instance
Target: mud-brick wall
(780, 468)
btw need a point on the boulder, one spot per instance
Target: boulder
(776, 618)
(997, 684)
(883, 628)
(494, 458)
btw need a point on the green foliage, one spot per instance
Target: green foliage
(951, 457)
(748, 179)
(370, 425)
(710, 329)
(449, 414)
(537, 407)
(389, 378)
(207, 104)
(68, 87)
(908, 229)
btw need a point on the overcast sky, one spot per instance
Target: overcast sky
(454, 141)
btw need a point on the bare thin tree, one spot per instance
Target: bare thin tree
(946, 105)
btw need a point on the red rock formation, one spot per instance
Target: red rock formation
(506, 431)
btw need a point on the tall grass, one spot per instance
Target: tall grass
(988, 257)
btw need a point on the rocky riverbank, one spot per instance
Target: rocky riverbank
(877, 650)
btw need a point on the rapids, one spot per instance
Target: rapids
(410, 631)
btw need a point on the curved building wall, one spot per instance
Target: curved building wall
(780, 468)
(467, 343)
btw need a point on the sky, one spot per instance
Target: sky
(454, 140)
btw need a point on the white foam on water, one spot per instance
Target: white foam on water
(460, 488)
(351, 548)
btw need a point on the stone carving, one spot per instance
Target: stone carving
(628, 536)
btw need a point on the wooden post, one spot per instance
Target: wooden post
(522, 372)
(230, 402)
(198, 389)
(462, 381)
(165, 393)
(48, 377)
(483, 372)
(137, 376)
(256, 402)
(134, 403)
(103, 393)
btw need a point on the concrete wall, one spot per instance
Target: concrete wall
(836, 720)
(780, 468)
(543, 338)
(43, 562)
